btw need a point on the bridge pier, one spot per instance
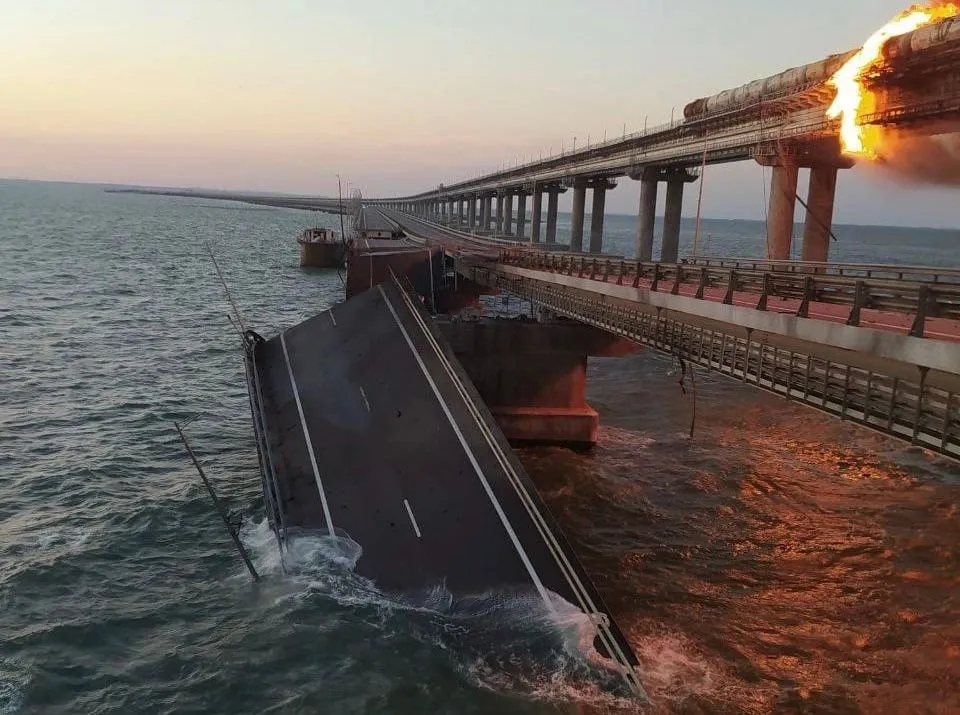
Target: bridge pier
(670, 249)
(508, 214)
(596, 213)
(650, 177)
(533, 375)
(472, 213)
(536, 214)
(521, 212)
(783, 202)
(553, 194)
(576, 221)
(820, 199)
(499, 213)
(647, 218)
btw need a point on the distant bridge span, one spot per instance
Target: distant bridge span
(779, 121)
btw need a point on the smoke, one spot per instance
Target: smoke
(926, 158)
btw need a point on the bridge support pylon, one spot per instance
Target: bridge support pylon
(521, 213)
(553, 195)
(600, 188)
(783, 201)
(650, 177)
(536, 214)
(507, 214)
(647, 218)
(576, 220)
(819, 222)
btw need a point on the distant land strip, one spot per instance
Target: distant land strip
(287, 202)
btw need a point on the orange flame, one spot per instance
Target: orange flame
(852, 95)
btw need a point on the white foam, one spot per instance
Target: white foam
(503, 640)
(672, 669)
(69, 537)
(13, 679)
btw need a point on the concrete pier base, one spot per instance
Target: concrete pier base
(533, 375)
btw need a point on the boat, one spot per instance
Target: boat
(321, 248)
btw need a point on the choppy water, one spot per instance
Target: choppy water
(779, 562)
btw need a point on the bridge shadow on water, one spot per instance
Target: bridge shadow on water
(780, 562)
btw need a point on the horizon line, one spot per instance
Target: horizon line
(251, 192)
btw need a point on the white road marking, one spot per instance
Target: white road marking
(473, 461)
(586, 602)
(366, 402)
(332, 318)
(306, 436)
(416, 529)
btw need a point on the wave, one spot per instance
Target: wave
(505, 640)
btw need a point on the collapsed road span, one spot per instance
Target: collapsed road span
(368, 428)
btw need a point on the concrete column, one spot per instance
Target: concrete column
(646, 219)
(499, 214)
(783, 202)
(508, 214)
(460, 203)
(596, 217)
(552, 199)
(521, 213)
(472, 213)
(670, 250)
(576, 221)
(487, 212)
(537, 210)
(820, 197)
(450, 210)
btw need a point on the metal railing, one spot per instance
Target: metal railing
(913, 410)
(920, 300)
(936, 274)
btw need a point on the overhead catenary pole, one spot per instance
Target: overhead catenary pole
(219, 506)
(703, 171)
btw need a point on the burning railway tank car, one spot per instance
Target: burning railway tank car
(791, 81)
(798, 79)
(926, 38)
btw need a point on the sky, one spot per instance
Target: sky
(398, 96)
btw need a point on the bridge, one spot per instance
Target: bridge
(878, 345)
(357, 410)
(779, 121)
